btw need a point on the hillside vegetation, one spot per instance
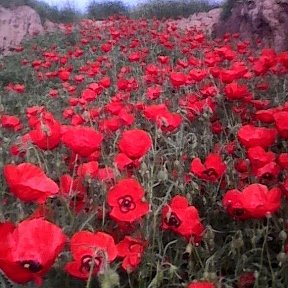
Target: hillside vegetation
(101, 10)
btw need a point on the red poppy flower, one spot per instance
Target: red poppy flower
(123, 162)
(195, 107)
(235, 91)
(88, 95)
(246, 280)
(8, 121)
(28, 251)
(241, 166)
(281, 123)
(265, 116)
(21, 145)
(126, 117)
(19, 88)
(182, 219)
(255, 201)
(29, 183)
(134, 57)
(152, 112)
(105, 82)
(284, 186)
(110, 125)
(283, 58)
(126, 201)
(283, 160)
(178, 79)
(106, 174)
(212, 170)
(88, 170)
(259, 157)
(154, 92)
(114, 107)
(46, 132)
(64, 75)
(90, 251)
(250, 136)
(163, 59)
(135, 143)
(268, 173)
(168, 121)
(106, 47)
(82, 140)
(216, 127)
(201, 284)
(74, 190)
(197, 74)
(53, 93)
(131, 250)
(122, 84)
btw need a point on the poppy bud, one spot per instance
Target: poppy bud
(162, 175)
(283, 235)
(282, 257)
(109, 279)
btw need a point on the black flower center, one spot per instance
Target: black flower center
(210, 172)
(238, 212)
(130, 166)
(88, 262)
(126, 204)
(267, 176)
(172, 220)
(31, 265)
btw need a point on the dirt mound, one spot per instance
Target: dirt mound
(19, 23)
(259, 19)
(15, 24)
(206, 20)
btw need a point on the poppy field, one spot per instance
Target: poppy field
(136, 154)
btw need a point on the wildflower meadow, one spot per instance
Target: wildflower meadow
(136, 154)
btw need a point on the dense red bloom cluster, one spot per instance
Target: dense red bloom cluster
(134, 109)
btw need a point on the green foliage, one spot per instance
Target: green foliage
(172, 9)
(103, 10)
(227, 8)
(8, 74)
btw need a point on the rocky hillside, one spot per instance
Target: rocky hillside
(264, 19)
(19, 23)
(259, 19)
(252, 19)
